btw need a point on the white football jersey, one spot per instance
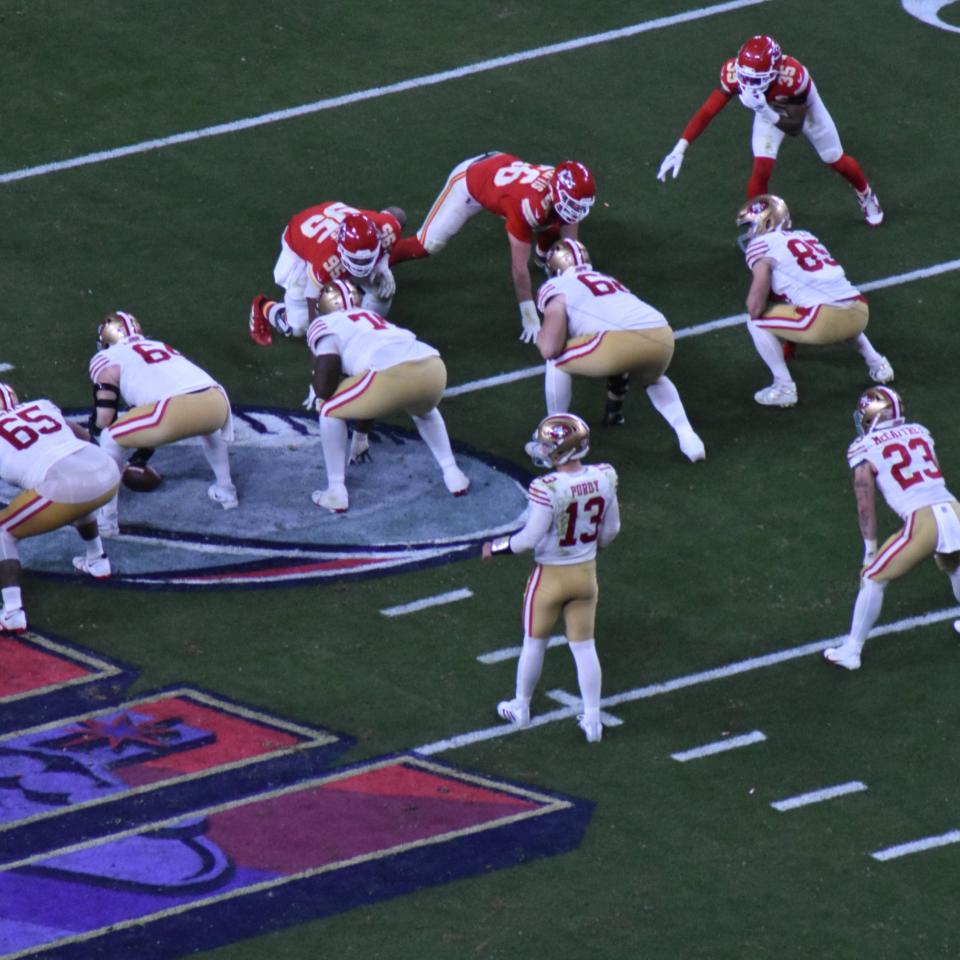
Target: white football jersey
(33, 437)
(584, 509)
(365, 341)
(150, 370)
(597, 302)
(803, 271)
(906, 467)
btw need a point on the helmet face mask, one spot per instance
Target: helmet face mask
(338, 295)
(8, 398)
(558, 439)
(758, 63)
(564, 254)
(358, 245)
(116, 327)
(878, 407)
(763, 214)
(572, 190)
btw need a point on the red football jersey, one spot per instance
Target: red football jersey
(792, 83)
(517, 191)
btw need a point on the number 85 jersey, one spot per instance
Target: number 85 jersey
(905, 465)
(571, 514)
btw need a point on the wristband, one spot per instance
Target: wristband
(500, 545)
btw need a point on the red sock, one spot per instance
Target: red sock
(849, 169)
(760, 178)
(407, 248)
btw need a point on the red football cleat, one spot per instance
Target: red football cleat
(260, 332)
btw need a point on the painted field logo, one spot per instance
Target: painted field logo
(401, 515)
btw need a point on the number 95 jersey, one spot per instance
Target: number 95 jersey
(584, 509)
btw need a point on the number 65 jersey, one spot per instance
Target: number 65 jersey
(581, 510)
(905, 465)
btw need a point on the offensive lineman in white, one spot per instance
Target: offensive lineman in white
(170, 398)
(593, 326)
(64, 479)
(573, 512)
(821, 307)
(387, 370)
(898, 457)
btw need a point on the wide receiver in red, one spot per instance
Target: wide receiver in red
(780, 93)
(533, 200)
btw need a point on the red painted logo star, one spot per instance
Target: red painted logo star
(116, 732)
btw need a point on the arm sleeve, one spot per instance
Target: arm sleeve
(611, 524)
(534, 530)
(717, 100)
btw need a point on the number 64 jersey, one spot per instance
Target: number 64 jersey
(571, 514)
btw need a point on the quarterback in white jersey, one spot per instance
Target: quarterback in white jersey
(593, 326)
(573, 512)
(170, 398)
(821, 306)
(898, 457)
(64, 479)
(364, 367)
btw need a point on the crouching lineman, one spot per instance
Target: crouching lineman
(821, 307)
(63, 478)
(593, 326)
(573, 512)
(387, 371)
(898, 456)
(169, 397)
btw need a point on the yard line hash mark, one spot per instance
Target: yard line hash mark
(720, 746)
(435, 601)
(374, 93)
(818, 796)
(569, 700)
(917, 846)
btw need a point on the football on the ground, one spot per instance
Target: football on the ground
(141, 479)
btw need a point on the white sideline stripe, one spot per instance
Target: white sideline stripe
(720, 746)
(569, 700)
(374, 93)
(435, 601)
(511, 653)
(818, 796)
(917, 846)
(680, 683)
(923, 273)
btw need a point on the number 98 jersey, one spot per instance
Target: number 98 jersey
(585, 513)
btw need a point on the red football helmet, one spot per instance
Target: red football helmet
(8, 398)
(358, 244)
(758, 62)
(572, 190)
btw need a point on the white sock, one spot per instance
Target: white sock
(558, 387)
(12, 600)
(866, 350)
(529, 666)
(215, 450)
(333, 437)
(588, 673)
(433, 432)
(866, 611)
(666, 400)
(771, 352)
(94, 548)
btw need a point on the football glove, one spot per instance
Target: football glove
(529, 322)
(310, 401)
(755, 100)
(673, 161)
(360, 448)
(385, 285)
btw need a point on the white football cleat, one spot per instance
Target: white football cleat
(457, 482)
(516, 711)
(98, 568)
(691, 446)
(956, 625)
(777, 395)
(870, 207)
(13, 621)
(225, 496)
(847, 655)
(882, 372)
(592, 728)
(334, 499)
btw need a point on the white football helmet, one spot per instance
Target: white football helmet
(564, 254)
(338, 295)
(559, 438)
(8, 398)
(116, 327)
(878, 407)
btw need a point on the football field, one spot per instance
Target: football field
(747, 800)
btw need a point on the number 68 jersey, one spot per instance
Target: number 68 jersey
(905, 465)
(583, 514)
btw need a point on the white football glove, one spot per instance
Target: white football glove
(755, 100)
(869, 551)
(673, 161)
(310, 401)
(529, 321)
(385, 285)
(360, 447)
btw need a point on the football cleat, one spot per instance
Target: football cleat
(847, 655)
(99, 568)
(613, 414)
(878, 406)
(116, 327)
(260, 332)
(225, 496)
(334, 499)
(882, 372)
(592, 728)
(558, 438)
(870, 207)
(691, 446)
(457, 482)
(777, 395)
(13, 621)
(515, 711)
(8, 398)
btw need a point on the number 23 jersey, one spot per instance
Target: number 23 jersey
(905, 464)
(584, 513)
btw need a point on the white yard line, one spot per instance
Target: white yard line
(374, 93)
(435, 601)
(511, 653)
(569, 700)
(917, 846)
(818, 796)
(720, 746)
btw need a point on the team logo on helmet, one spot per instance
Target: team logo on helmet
(878, 406)
(8, 397)
(758, 62)
(559, 438)
(116, 327)
(358, 244)
(572, 190)
(564, 254)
